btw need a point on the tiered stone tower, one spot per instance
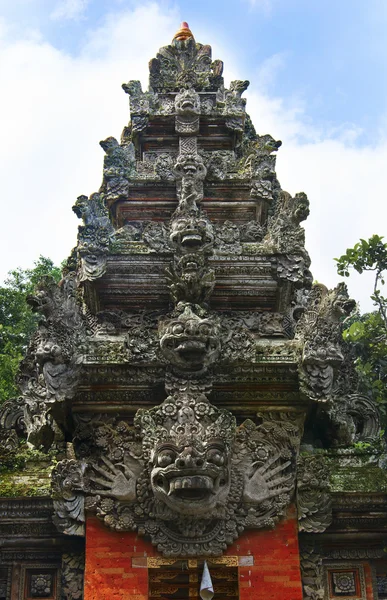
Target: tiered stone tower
(191, 384)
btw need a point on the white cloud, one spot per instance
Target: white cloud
(69, 9)
(269, 69)
(56, 108)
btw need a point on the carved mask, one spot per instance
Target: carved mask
(191, 233)
(190, 166)
(187, 103)
(190, 342)
(192, 478)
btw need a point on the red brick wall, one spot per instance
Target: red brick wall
(275, 574)
(116, 567)
(269, 563)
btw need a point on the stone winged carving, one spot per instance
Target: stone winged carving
(118, 167)
(321, 330)
(284, 232)
(185, 474)
(190, 279)
(49, 373)
(94, 237)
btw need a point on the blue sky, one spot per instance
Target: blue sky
(330, 54)
(318, 82)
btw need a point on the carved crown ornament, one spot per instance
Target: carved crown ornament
(215, 227)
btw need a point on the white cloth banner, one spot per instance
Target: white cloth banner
(206, 587)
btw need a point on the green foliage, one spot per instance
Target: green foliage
(17, 321)
(368, 255)
(368, 332)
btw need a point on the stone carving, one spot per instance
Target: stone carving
(312, 574)
(251, 231)
(94, 237)
(190, 279)
(12, 415)
(314, 502)
(49, 373)
(284, 232)
(9, 443)
(119, 160)
(164, 165)
(41, 585)
(321, 330)
(119, 166)
(187, 107)
(238, 342)
(184, 63)
(185, 474)
(220, 164)
(140, 103)
(67, 482)
(191, 340)
(353, 418)
(295, 269)
(191, 233)
(73, 566)
(190, 172)
(227, 239)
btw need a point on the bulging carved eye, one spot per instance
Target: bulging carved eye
(214, 456)
(177, 329)
(165, 458)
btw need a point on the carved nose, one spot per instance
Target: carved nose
(185, 461)
(189, 461)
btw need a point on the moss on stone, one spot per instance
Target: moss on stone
(25, 485)
(358, 479)
(26, 473)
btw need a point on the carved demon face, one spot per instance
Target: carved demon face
(301, 207)
(187, 103)
(190, 342)
(193, 478)
(190, 166)
(48, 351)
(342, 304)
(191, 233)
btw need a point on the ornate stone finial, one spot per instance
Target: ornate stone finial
(183, 33)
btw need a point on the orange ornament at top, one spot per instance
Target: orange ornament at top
(184, 33)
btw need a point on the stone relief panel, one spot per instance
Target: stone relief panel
(184, 474)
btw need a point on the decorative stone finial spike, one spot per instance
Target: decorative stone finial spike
(184, 33)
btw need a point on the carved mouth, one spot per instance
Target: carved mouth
(187, 104)
(192, 350)
(192, 488)
(191, 239)
(190, 170)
